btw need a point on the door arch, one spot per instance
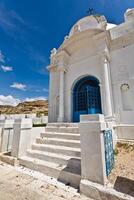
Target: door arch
(86, 97)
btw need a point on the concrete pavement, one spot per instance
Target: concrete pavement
(16, 185)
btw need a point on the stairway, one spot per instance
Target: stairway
(56, 153)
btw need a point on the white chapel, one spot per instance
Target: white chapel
(93, 72)
(91, 109)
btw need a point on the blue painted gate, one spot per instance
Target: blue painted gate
(109, 152)
(86, 98)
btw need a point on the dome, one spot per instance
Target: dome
(91, 22)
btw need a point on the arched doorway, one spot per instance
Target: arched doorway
(86, 97)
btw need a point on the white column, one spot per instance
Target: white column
(61, 96)
(107, 103)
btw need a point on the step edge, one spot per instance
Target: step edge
(57, 146)
(62, 156)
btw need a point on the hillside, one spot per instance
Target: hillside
(39, 106)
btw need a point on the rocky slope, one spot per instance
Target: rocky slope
(38, 107)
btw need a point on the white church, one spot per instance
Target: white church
(91, 82)
(93, 72)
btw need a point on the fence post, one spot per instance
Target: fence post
(1, 130)
(1, 133)
(21, 137)
(6, 135)
(93, 166)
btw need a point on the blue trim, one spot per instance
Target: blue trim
(109, 151)
(86, 97)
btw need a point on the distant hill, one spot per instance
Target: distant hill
(38, 107)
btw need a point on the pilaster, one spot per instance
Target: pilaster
(106, 84)
(62, 69)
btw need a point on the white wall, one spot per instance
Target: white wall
(122, 71)
(89, 66)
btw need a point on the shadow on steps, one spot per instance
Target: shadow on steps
(71, 174)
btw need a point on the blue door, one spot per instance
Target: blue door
(86, 98)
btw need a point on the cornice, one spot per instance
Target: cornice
(122, 42)
(80, 36)
(122, 35)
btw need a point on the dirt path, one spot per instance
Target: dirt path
(16, 185)
(122, 176)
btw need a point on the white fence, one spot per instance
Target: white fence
(40, 120)
(16, 116)
(7, 129)
(6, 135)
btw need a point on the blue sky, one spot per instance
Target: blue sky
(29, 29)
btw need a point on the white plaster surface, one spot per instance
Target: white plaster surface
(21, 137)
(92, 150)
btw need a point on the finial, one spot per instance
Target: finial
(53, 51)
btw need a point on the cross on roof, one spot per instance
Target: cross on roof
(90, 11)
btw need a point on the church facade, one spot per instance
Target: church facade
(93, 72)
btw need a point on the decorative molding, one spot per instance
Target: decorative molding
(125, 87)
(53, 52)
(53, 57)
(52, 68)
(62, 59)
(91, 35)
(76, 28)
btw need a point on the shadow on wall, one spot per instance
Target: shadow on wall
(124, 185)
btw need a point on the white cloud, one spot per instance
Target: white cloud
(35, 98)
(2, 57)
(18, 86)
(6, 68)
(8, 100)
(45, 90)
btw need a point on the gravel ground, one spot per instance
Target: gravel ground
(19, 183)
(122, 176)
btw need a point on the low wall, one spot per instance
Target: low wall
(9, 127)
(17, 116)
(40, 120)
(35, 133)
(24, 136)
(125, 132)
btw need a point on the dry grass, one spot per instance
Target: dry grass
(122, 176)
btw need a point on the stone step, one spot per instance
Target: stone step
(59, 142)
(74, 152)
(61, 135)
(66, 174)
(52, 157)
(62, 125)
(62, 129)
